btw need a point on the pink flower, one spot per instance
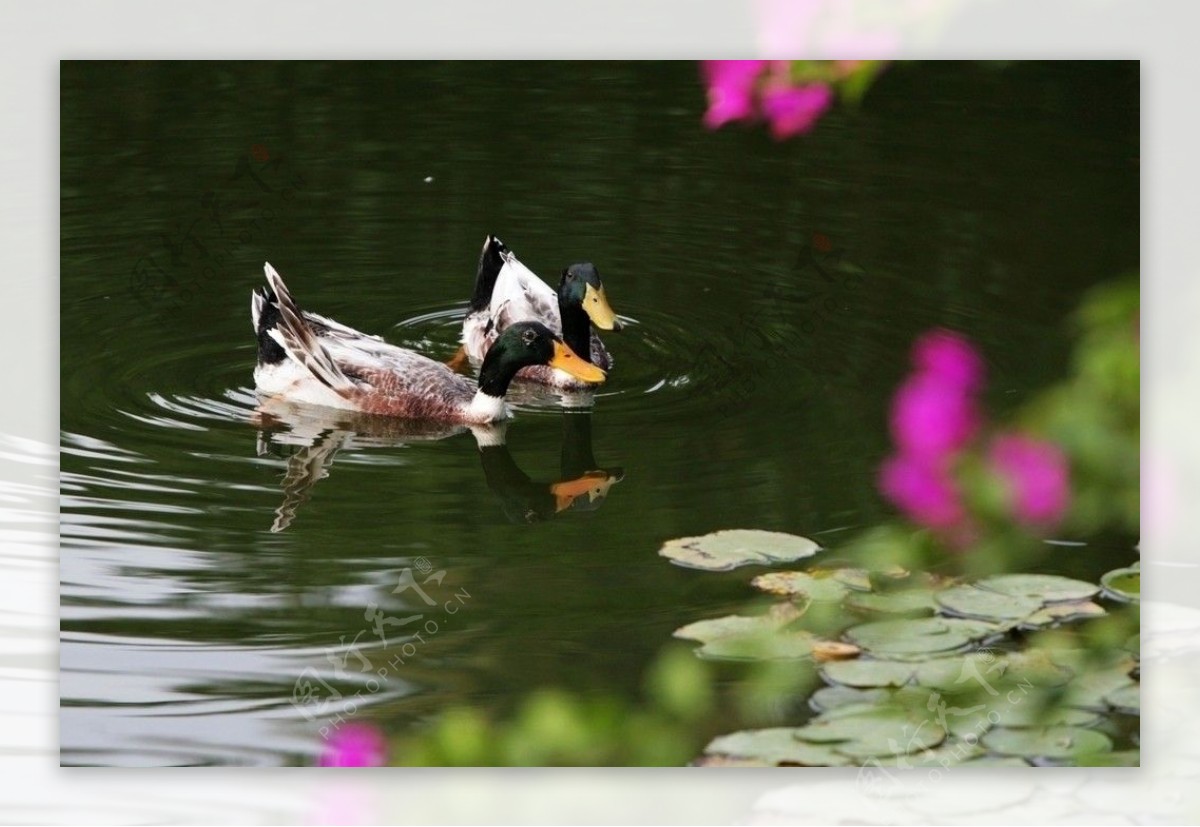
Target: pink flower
(922, 488)
(354, 745)
(794, 110)
(950, 356)
(932, 417)
(730, 90)
(1037, 476)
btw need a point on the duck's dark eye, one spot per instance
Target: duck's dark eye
(569, 276)
(528, 337)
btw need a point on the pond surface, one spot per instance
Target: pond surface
(772, 291)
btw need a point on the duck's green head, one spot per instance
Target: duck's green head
(530, 343)
(581, 288)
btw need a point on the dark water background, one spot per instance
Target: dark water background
(751, 391)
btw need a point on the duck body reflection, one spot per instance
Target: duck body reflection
(318, 434)
(582, 484)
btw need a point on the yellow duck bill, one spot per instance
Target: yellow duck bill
(596, 305)
(568, 360)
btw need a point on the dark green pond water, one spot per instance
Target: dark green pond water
(750, 390)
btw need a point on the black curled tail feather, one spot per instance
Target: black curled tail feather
(265, 313)
(491, 259)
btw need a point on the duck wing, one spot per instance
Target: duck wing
(300, 340)
(520, 296)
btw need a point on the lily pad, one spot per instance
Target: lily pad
(984, 604)
(773, 646)
(902, 602)
(1046, 588)
(827, 650)
(832, 697)
(868, 731)
(949, 753)
(775, 746)
(761, 637)
(801, 584)
(918, 638)
(726, 550)
(862, 673)
(994, 761)
(1054, 613)
(728, 626)
(1090, 687)
(1058, 743)
(1126, 699)
(857, 579)
(971, 672)
(1123, 584)
(1023, 712)
(1036, 667)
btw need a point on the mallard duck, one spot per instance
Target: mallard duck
(507, 292)
(311, 359)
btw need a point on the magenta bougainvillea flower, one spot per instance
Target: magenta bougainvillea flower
(934, 415)
(741, 90)
(936, 411)
(923, 489)
(951, 357)
(354, 745)
(933, 418)
(1037, 476)
(730, 90)
(793, 110)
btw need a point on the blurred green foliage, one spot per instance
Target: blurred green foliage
(556, 727)
(1095, 414)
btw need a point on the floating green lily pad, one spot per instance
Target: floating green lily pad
(725, 550)
(792, 645)
(1054, 613)
(994, 761)
(984, 604)
(949, 753)
(1036, 667)
(1123, 584)
(966, 673)
(1046, 588)
(832, 697)
(760, 637)
(918, 638)
(801, 584)
(728, 626)
(901, 602)
(1017, 711)
(865, 673)
(776, 746)
(1126, 699)
(856, 579)
(873, 731)
(1090, 687)
(1056, 743)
